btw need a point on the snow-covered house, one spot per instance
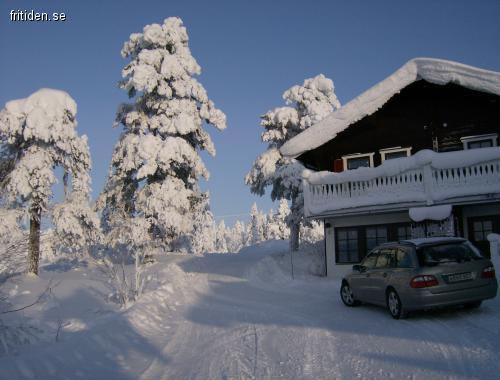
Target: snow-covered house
(415, 155)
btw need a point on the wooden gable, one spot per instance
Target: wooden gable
(422, 116)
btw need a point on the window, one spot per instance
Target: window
(449, 252)
(404, 232)
(374, 236)
(479, 144)
(403, 258)
(370, 260)
(396, 152)
(480, 141)
(385, 259)
(354, 242)
(481, 229)
(347, 245)
(358, 160)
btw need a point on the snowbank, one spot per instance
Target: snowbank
(436, 71)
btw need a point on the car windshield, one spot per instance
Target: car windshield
(458, 252)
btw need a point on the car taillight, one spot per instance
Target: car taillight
(488, 272)
(423, 281)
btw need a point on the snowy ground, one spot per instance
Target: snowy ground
(239, 316)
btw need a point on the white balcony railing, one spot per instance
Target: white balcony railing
(425, 178)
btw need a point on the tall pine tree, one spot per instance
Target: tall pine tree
(155, 168)
(38, 134)
(309, 103)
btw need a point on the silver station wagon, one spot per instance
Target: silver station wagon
(421, 274)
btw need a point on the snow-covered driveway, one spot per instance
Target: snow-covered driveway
(240, 316)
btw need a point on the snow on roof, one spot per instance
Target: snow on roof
(418, 214)
(432, 70)
(433, 240)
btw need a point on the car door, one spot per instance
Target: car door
(360, 281)
(380, 275)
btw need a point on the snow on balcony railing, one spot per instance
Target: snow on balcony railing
(425, 178)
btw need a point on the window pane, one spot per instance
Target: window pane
(487, 226)
(389, 156)
(382, 232)
(353, 234)
(370, 244)
(371, 232)
(370, 260)
(342, 245)
(341, 234)
(382, 261)
(354, 163)
(404, 233)
(353, 244)
(478, 226)
(403, 259)
(355, 256)
(381, 240)
(478, 236)
(480, 144)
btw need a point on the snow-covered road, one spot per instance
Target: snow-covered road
(240, 316)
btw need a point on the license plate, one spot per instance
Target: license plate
(458, 277)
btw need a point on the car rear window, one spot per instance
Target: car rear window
(448, 252)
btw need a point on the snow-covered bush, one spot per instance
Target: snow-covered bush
(156, 164)
(310, 102)
(312, 232)
(38, 134)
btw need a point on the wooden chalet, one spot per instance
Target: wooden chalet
(416, 155)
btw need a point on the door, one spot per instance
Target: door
(480, 228)
(360, 281)
(380, 275)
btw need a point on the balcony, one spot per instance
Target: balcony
(424, 179)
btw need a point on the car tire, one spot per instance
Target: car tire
(394, 305)
(347, 296)
(472, 305)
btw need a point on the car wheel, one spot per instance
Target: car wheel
(394, 305)
(347, 296)
(472, 305)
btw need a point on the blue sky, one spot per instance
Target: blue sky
(250, 53)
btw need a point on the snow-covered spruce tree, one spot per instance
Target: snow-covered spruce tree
(203, 237)
(221, 238)
(237, 237)
(256, 226)
(278, 228)
(156, 165)
(309, 103)
(38, 134)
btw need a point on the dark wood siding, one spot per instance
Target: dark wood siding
(421, 116)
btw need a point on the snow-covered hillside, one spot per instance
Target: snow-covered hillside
(239, 316)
